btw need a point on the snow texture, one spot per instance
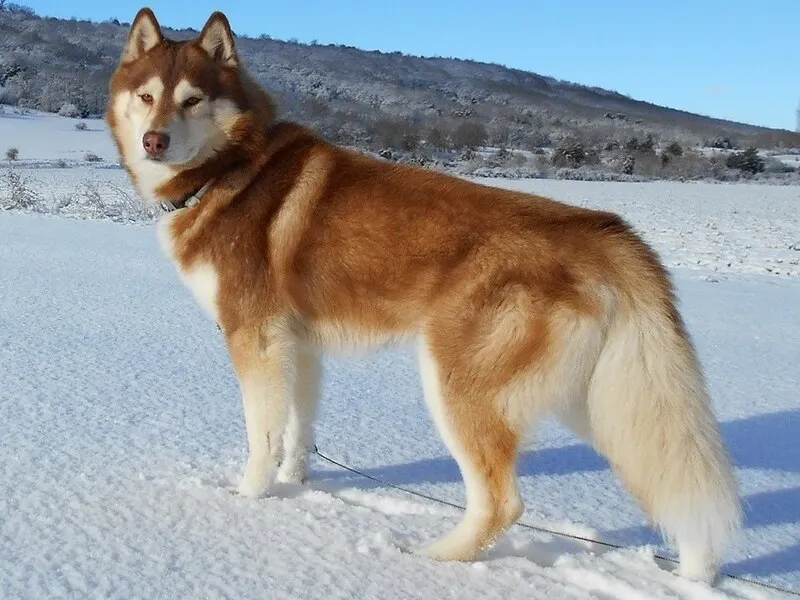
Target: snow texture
(122, 437)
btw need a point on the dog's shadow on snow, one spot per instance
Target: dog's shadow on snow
(767, 441)
(443, 469)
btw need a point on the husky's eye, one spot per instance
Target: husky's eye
(193, 101)
(146, 98)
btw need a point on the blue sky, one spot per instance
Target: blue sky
(732, 59)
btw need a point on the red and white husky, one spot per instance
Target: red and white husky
(522, 306)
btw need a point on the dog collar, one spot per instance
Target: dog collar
(189, 202)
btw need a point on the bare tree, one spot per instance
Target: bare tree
(470, 134)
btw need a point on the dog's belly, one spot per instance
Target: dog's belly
(351, 339)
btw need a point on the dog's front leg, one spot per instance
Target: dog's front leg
(298, 439)
(264, 362)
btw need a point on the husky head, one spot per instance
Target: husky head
(174, 106)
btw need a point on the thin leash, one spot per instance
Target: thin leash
(579, 538)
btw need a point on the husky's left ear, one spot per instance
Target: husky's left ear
(217, 39)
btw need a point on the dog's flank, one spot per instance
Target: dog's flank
(523, 306)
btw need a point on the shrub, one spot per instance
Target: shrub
(12, 154)
(722, 143)
(628, 163)
(69, 110)
(469, 134)
(410, 141)
(500, 135)
(438, 138)
(81, 126)
(505, 158)
(637, 146)
(632, 145)
(747, 161)
(91, 157)
(467, 154)
(397, 134)
(648, 146)
(773, 165)
(673, 149)
(20, 195)
(570, 153)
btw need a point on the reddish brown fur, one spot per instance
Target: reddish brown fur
(313, 237)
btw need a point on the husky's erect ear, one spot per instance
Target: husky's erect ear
(144, 36)
(217, 39)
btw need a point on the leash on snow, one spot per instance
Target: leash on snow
(579, 538)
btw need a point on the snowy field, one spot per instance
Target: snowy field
(122, 437)
(43, 138)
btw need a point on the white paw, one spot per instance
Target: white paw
(447, 549)
(699, 572)
(697, 564)
(293, 472)
(256, 481)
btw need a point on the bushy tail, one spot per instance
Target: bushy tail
(651, 415)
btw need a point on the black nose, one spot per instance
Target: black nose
(155, 143)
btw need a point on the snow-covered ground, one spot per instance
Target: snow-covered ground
(43, 138)
(122, 439)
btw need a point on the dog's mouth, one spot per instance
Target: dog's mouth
(193, 156)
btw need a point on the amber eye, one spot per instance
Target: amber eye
(146, 98)
(193, 101)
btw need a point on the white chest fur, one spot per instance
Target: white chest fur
(201, 278)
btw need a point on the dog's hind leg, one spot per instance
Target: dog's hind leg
(298, 437)
(264, 362)
(485, 448)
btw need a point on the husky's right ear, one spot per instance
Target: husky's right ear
(144, 36)
(217, 39)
